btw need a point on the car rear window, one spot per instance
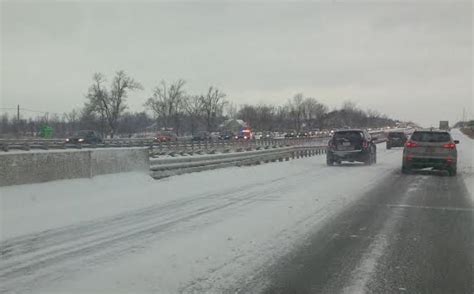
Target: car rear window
(431, 137)
(396, 135)
(348, 135)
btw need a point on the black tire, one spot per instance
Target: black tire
(375, 158)
(406, 170)
(388, 146)
(452, 172)
(329, 160)
(368, 161)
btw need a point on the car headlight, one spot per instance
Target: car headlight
(67, 140)
(80, 140)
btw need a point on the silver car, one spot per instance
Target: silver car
(430, 148)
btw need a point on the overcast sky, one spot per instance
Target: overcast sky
(411, 60)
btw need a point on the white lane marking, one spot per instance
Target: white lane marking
(363, 273)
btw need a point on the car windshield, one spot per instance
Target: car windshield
(236, 146)
(84, 133)
(432, 137)
(350, 135)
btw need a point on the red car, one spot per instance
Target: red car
(166, 136)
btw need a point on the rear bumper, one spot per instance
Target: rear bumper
(354, 155)
(425, 162)
(395, 143)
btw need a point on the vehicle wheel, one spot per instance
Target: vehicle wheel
(375, 158)
(405, 170)
(452, 171)
(368, 161)
(329, 161)
(389, 147)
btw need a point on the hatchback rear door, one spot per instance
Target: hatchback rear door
(348, 140)
(431, 144)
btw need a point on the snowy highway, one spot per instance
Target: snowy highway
(285, 227)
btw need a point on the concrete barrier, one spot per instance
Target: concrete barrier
(111, 161)
(35, 167)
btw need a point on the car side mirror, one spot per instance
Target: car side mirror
(456, 141)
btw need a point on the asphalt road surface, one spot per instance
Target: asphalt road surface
(410, 234)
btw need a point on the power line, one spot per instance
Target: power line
(29, 110)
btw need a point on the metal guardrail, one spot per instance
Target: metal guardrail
(167, 167)
(275, 151)
(156, 147)
(165, 147)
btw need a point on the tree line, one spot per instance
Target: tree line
(171, 107)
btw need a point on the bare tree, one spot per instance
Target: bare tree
(110, 104)
(249, 114)
(194, 110)
(296, 108)
(230, 110)
(72, 120)
(167, 103)
(313, 112)
(213, 105)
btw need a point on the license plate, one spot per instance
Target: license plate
(345, 148)
(346, 143)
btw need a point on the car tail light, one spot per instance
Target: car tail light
(449, 146)
(365, 144)
(449, 160)
(411, 144)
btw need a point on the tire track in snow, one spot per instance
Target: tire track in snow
(32, 258)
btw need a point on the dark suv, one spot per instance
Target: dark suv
(85, 137)
(351, 145)
(396, 139)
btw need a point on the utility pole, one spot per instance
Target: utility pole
(17, 124)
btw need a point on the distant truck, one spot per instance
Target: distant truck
(444, 125)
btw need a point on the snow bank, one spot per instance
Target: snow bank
(465, 160)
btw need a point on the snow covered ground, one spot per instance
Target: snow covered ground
(465, 160)
(203, 232)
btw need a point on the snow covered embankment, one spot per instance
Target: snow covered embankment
(465, 160)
